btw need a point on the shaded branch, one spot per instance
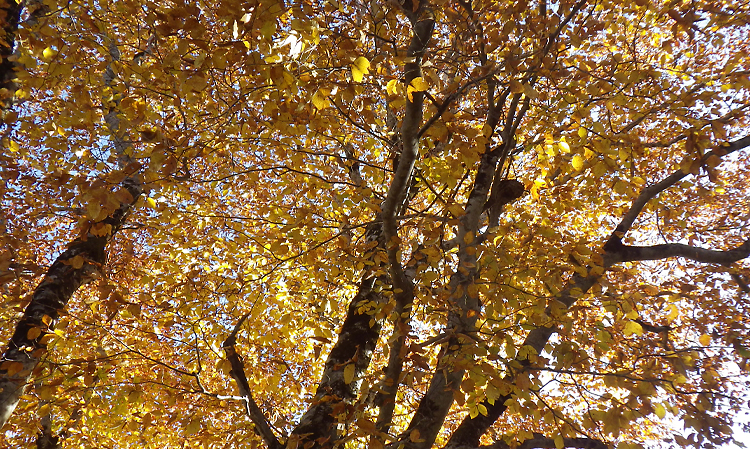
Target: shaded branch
(422, 28)
(470, 430)
(238, 373)
(618, 252)
(386, 398)
(540, 442)
(354, 347)
(11, 14)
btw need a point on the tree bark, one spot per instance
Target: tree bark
(10, 14)
(79, 264)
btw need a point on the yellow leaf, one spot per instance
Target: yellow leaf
(33, 333)
(564, 146)
(660, 411)
(349, 373)
(49, 53)
(582, 133)
(673, 313)
(44, 410)
(631, 327)
(391, 87)
(414, 436)
(357, 75)
(320, 99)
(516, 87)
(77, 262)
(577, 162)
(418, 84)
(705, 339)
(150, 202)
(559, 442)
(360, 68)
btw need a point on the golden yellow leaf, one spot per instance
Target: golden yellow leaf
(33, 333)
(633, 328)
(320, 100)
(349, 373)
(392, 87)
(577, 162)
(360, 68)
(77, 262)
(419, 84)
(660, 411)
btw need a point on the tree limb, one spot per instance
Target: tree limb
(11, 14)
(355, 344)
(422, 27)
(470, 430)
(540, 442)
(652, 191)
(624, 253)
(238, 373)
(77, 265)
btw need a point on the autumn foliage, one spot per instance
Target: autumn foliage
(343, 223)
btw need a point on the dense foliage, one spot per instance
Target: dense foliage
(349, 223)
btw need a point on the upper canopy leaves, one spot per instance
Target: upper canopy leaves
(336, 177)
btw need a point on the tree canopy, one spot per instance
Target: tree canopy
(344, 223)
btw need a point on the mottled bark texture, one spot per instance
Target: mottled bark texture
(79, 264)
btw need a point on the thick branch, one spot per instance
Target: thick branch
(470, 430)
(251, 408)
(77, 265)
(624, 253)
(421, 34)
(10, 12)
(539, 442)
(355, 344)
(386, 398)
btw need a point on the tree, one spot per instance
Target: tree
(404, 224)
